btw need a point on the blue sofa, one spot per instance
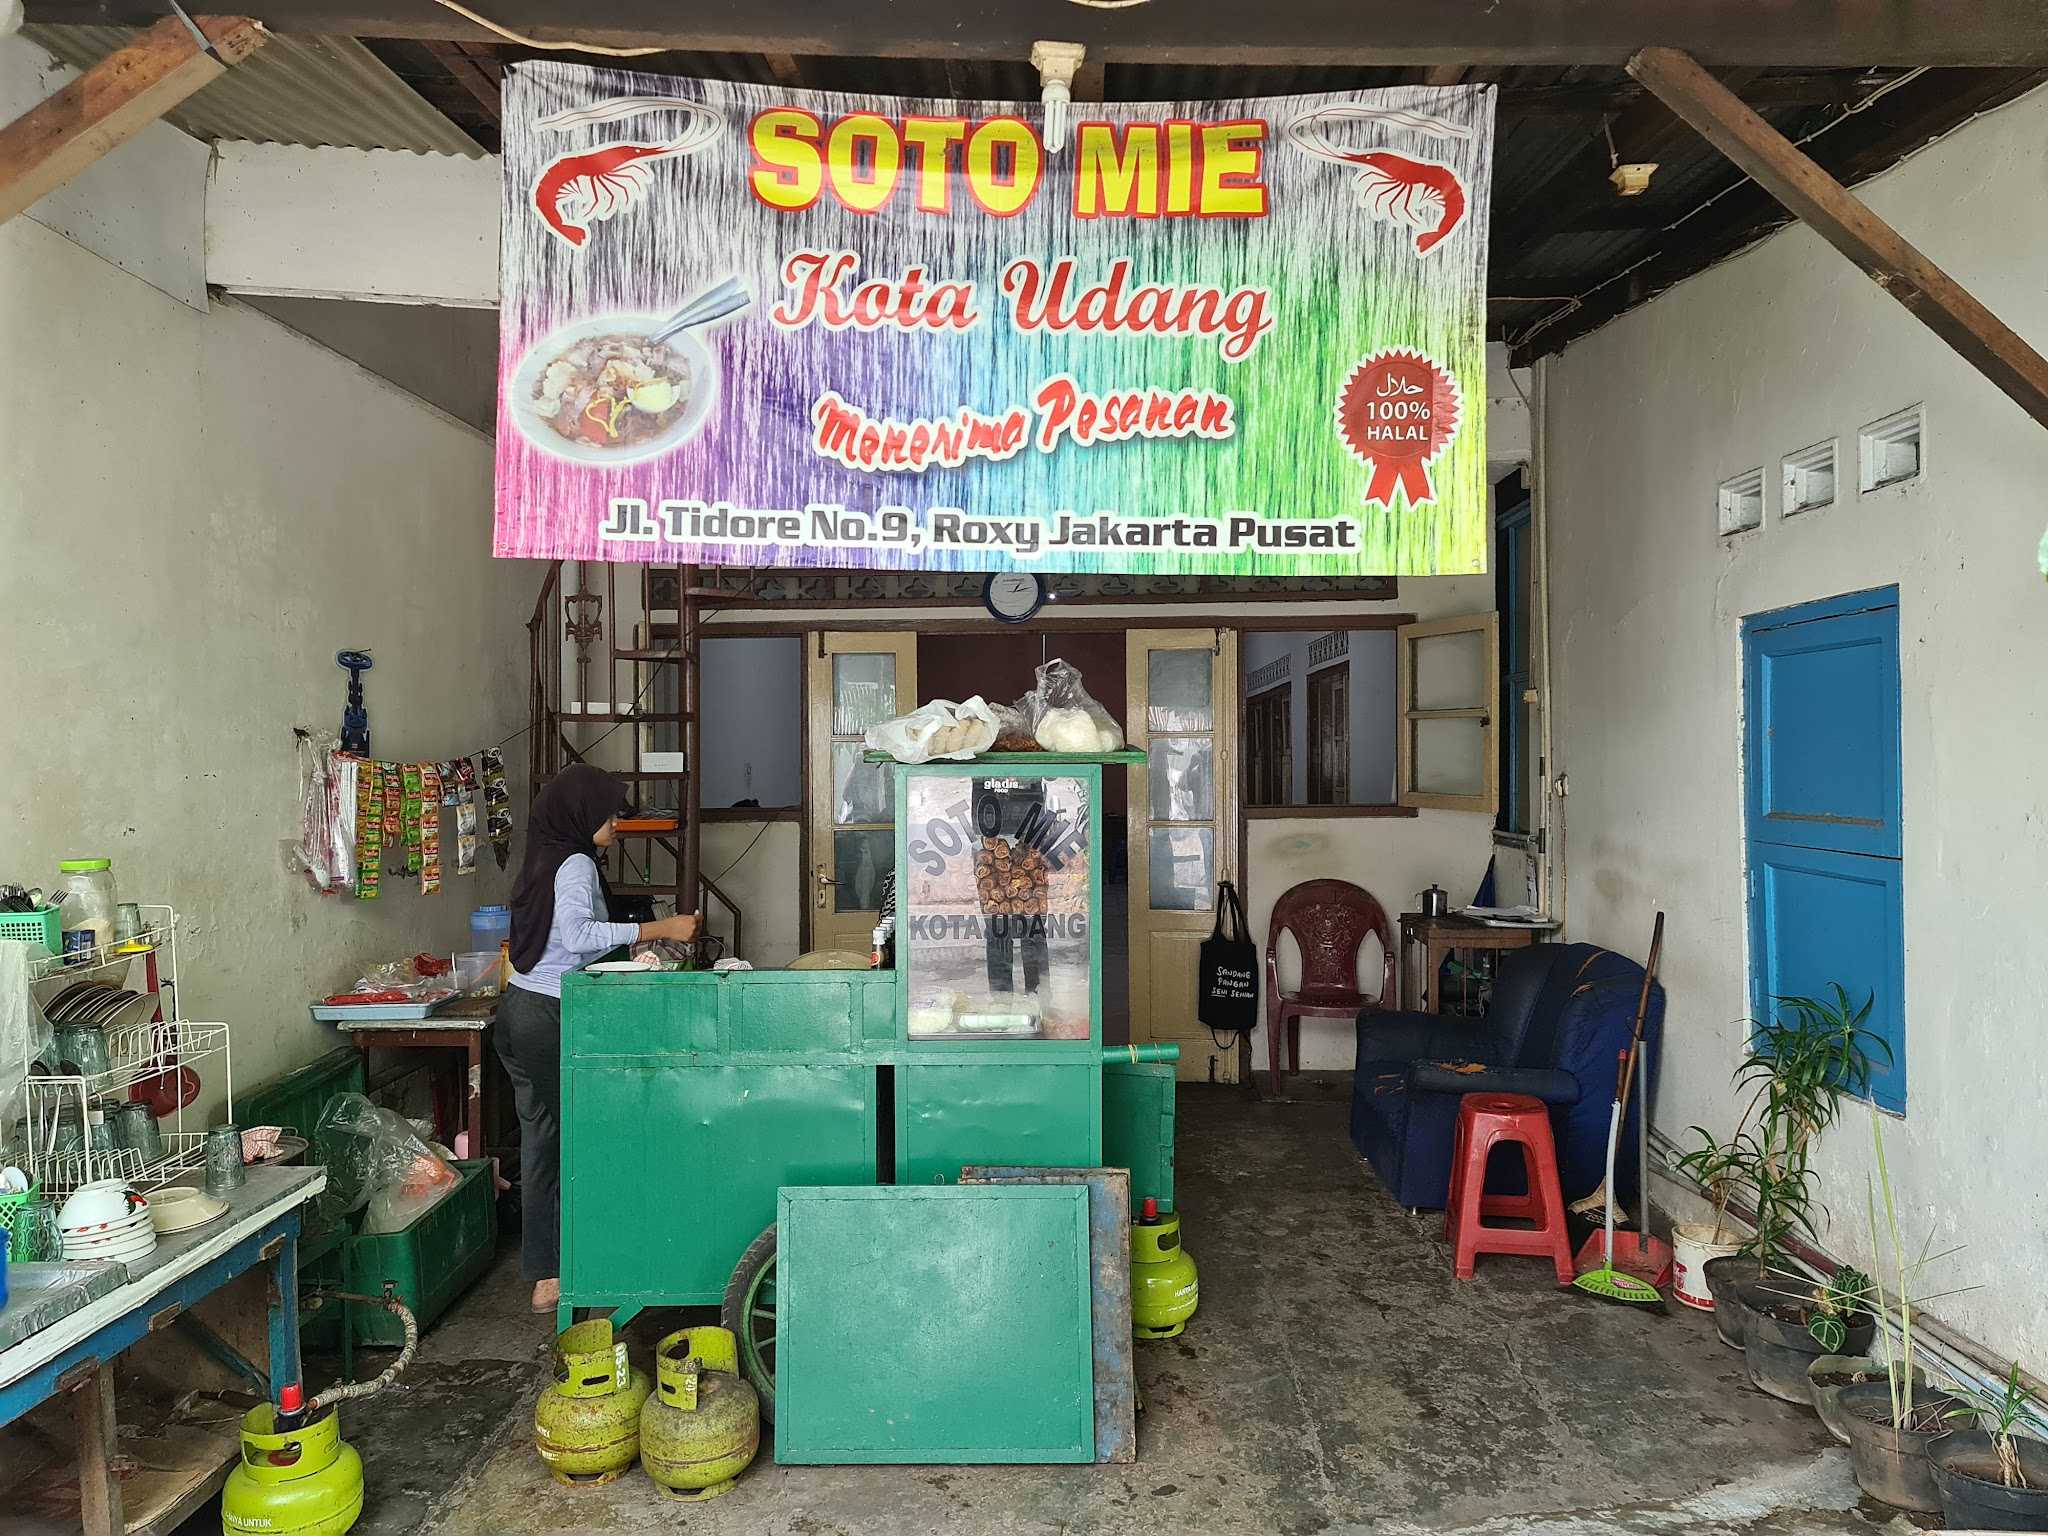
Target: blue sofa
(1560, 1016)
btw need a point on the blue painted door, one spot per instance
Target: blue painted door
(1821, 800)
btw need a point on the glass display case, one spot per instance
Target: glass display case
(999, 901)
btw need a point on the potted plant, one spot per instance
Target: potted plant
(1894, 1422)
(1827, 1375)
(1989, 1478)
(1798, 1067)
(1790, 1326)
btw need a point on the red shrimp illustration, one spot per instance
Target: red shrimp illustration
(577, 190)
(1427, 197)
(1424, 195)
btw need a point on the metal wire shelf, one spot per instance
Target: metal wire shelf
(62, 1172)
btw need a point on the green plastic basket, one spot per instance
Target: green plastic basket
(42, 926)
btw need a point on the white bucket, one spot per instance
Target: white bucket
(1691, 1246)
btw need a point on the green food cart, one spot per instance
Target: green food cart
(690, 1098)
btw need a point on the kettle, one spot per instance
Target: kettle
(1434, 902)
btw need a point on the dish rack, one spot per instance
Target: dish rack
(135, 1054)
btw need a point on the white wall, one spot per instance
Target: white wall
(756, 864)
(142, 207)
(1782, 347)
(196, 512)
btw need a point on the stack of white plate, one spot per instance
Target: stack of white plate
(106, 1220)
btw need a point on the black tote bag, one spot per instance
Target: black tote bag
(1228, 995)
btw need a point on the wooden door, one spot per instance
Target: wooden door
(1823, 807)
(1182, 711)
(853, 681)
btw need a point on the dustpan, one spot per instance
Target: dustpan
(1647, 1258)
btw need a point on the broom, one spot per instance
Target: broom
(1588, 1204)
(1607, 1282)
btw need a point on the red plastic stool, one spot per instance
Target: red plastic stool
(1485, 1121)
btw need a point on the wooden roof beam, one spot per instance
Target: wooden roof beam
(113, 101)
(1847, 223)
(1547, 33)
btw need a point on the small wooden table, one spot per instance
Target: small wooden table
(462, 1025)
(1438, 937)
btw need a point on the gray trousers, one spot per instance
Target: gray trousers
(529, 1038)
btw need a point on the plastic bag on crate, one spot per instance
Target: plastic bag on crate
(1065, 716)
(938, 730)
(375, 1158)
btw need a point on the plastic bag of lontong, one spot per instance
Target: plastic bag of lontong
(1065, 716)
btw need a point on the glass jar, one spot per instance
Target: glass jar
(89, 901)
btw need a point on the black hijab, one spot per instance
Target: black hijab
(566, 815)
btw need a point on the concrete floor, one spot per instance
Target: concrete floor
(1336, 1378)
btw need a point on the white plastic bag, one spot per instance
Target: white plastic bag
(940, 730)
(1065, 716)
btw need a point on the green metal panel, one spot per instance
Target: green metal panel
(614, 1015)
(934, 1325)
(1137, 1127)
(810, 1015)
(950, 1113)
(668, 1173)
(1109, 1256)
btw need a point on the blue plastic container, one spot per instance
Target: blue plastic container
(489, 927)
(5, 1235)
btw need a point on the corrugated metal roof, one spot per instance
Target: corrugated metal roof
(292, 90)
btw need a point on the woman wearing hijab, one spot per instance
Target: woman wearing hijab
(560, 907)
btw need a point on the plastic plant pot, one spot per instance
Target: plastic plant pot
(1725, 1278)
(1777, 1350)
(1965, 1470)
(1826, 1376)
(1894, 1469)
(1692, 1249)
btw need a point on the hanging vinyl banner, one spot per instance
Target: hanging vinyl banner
(741, 325)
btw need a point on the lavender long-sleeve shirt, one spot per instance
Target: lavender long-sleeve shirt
(577, 935)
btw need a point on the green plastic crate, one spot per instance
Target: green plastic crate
(297, 1099)
(429, 1263)
(42, 926)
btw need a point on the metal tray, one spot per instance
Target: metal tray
(378, 1013)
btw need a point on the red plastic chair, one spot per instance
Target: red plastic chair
(1330, 920)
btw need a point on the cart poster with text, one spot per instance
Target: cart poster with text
(741, 325)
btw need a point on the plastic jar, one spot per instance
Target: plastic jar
(89, 898)
(489, 927)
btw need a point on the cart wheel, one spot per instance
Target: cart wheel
(748, 1311)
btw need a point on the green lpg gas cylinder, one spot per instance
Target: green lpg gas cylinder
(702, 1427)
(586, 1426)
(1163, 1286)
(303, 1482)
